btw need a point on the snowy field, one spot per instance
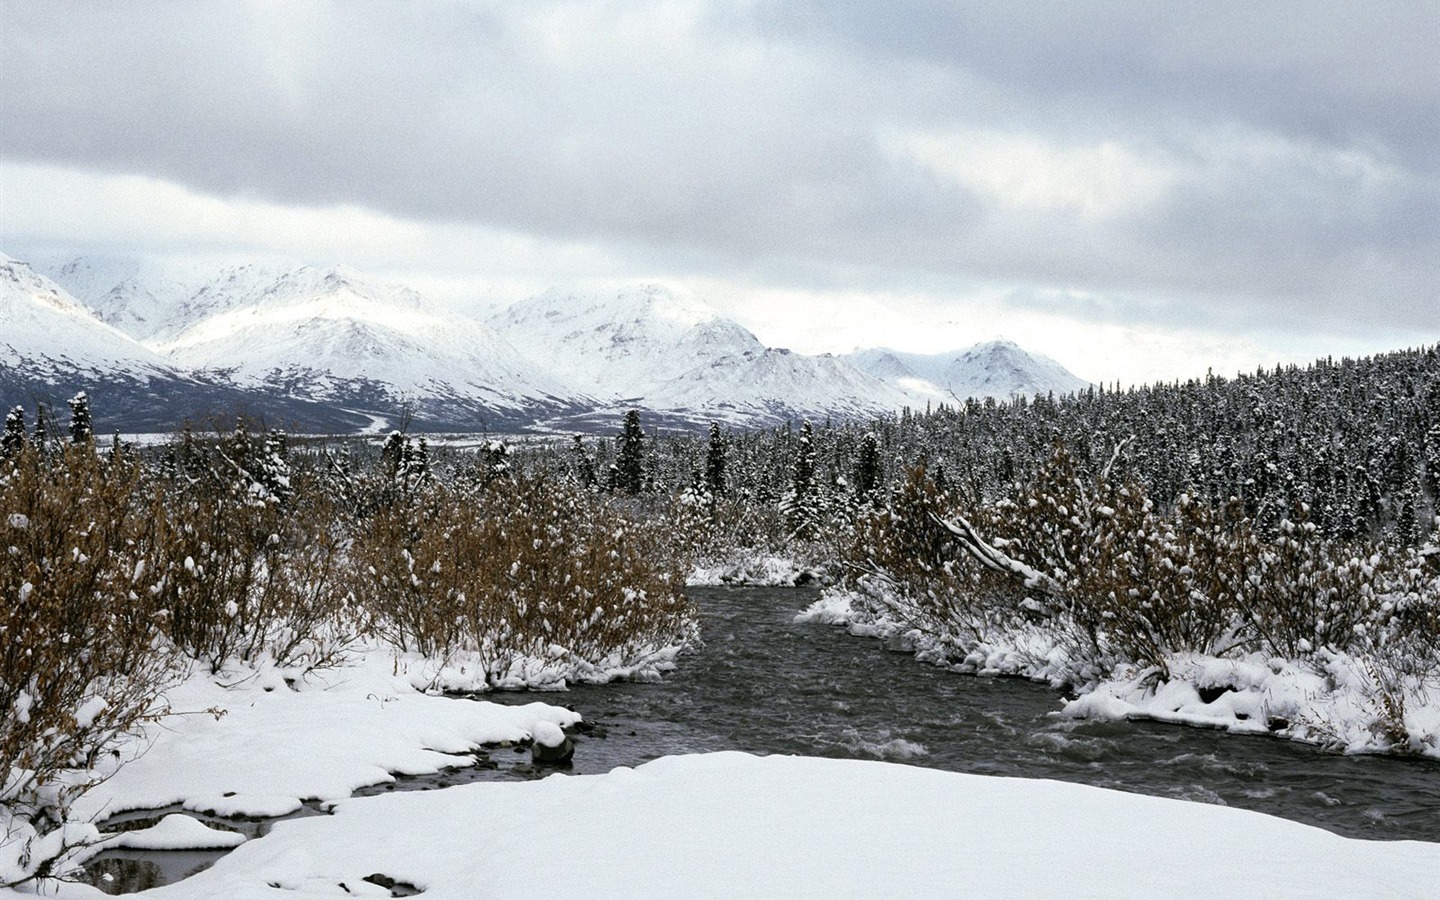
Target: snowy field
(716, 825)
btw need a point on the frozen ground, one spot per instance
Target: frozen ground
(734, 825)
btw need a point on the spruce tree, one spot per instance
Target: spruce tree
(12, 439)
(1432, 461)
(81, 431)
(391, 453)
(628, 475)
(715, 463)
(801, 505)
(582, 464)
(867, 469)
(272, 470)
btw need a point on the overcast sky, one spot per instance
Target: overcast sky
(1141, 190)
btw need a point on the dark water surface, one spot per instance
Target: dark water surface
(766, 684)
(763, 683)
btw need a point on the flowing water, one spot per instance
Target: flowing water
(764, 683)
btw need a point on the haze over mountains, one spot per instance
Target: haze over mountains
(329, 349)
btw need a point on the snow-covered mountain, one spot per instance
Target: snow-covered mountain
(652, 347)
(998, 369)
(47, 332)
(372, 352)
(330, 334)
(144, 296)
(52, 346)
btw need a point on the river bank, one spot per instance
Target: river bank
(760, 683)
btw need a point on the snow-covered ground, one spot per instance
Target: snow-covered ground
(260, 742)
(735, 825)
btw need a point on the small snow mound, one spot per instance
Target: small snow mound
(548, 734)
(176, 831)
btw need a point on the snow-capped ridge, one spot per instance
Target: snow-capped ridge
(1000, 369)
(670, 351)
(337, 336)
(45, 329)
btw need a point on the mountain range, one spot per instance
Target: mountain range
(328, 349)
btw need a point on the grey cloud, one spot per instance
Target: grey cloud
(753, 142)
(1340, 73)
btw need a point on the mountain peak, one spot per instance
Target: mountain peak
(998, 368)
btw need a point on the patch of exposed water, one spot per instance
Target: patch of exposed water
(763, 683)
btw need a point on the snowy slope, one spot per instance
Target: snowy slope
(52, 346)
(144, 296)
(49, 334)
(329, 334)
(653, 347)
(998, 369)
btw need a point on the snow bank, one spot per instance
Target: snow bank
(755, 569)
(734, 825)
(1339, 701)
(259, 742)
(466, 672)
(1029, 653)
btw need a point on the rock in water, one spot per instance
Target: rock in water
(550, 745)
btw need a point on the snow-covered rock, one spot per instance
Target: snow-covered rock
(176, 831)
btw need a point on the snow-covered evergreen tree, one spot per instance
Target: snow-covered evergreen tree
(867, 475)
(12, 439)
(628, 475)
(715, 463)
(582, 464)
(802, 504)
(391, 453)
(81, 429)
(272, 468)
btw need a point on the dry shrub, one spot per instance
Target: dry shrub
(526, 568)
(80, 663)
(246, 560)
(905, 567)
(1126, 581)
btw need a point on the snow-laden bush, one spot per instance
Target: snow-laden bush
(82, 660)
(524, 569)
(246, 558)
(1120, 584)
